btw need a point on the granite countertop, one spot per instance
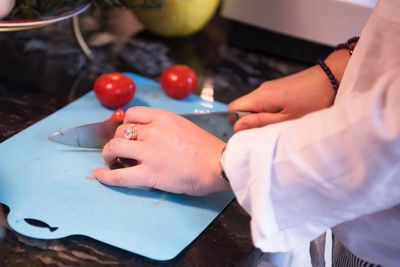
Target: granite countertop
(42, 70)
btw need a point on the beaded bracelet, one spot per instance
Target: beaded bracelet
(349, 45)
(328, 72)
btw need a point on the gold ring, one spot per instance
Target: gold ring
(131, 133)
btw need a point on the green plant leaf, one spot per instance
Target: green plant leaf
(29, 9)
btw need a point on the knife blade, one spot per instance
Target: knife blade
(96, 135)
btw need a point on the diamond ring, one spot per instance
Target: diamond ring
(131, 133)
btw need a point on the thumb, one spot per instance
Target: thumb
(263, 99)
(258, 120)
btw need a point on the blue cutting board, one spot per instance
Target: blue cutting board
(52, 183)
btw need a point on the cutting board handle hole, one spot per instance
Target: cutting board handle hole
(40, 224)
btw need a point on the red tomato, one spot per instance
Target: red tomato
(179, 81)
(118, 115)
(114, 90)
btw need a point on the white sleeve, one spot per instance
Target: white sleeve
(299, 178)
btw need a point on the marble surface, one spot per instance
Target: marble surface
(44, 69)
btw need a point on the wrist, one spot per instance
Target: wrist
(333, 67)
(337, 62)
(215, 182)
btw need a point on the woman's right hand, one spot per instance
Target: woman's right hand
(290, 97)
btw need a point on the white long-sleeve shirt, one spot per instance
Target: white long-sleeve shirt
(339, 167)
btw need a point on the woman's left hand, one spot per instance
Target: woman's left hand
(173, 155)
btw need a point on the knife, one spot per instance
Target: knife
(96, 135)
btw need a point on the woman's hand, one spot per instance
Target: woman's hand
(290, 97)
(173, 155)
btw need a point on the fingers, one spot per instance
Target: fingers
(122, 148)
(259, 120)
(130, 177)
(141, 115)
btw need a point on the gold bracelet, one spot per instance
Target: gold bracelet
(221, 160)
